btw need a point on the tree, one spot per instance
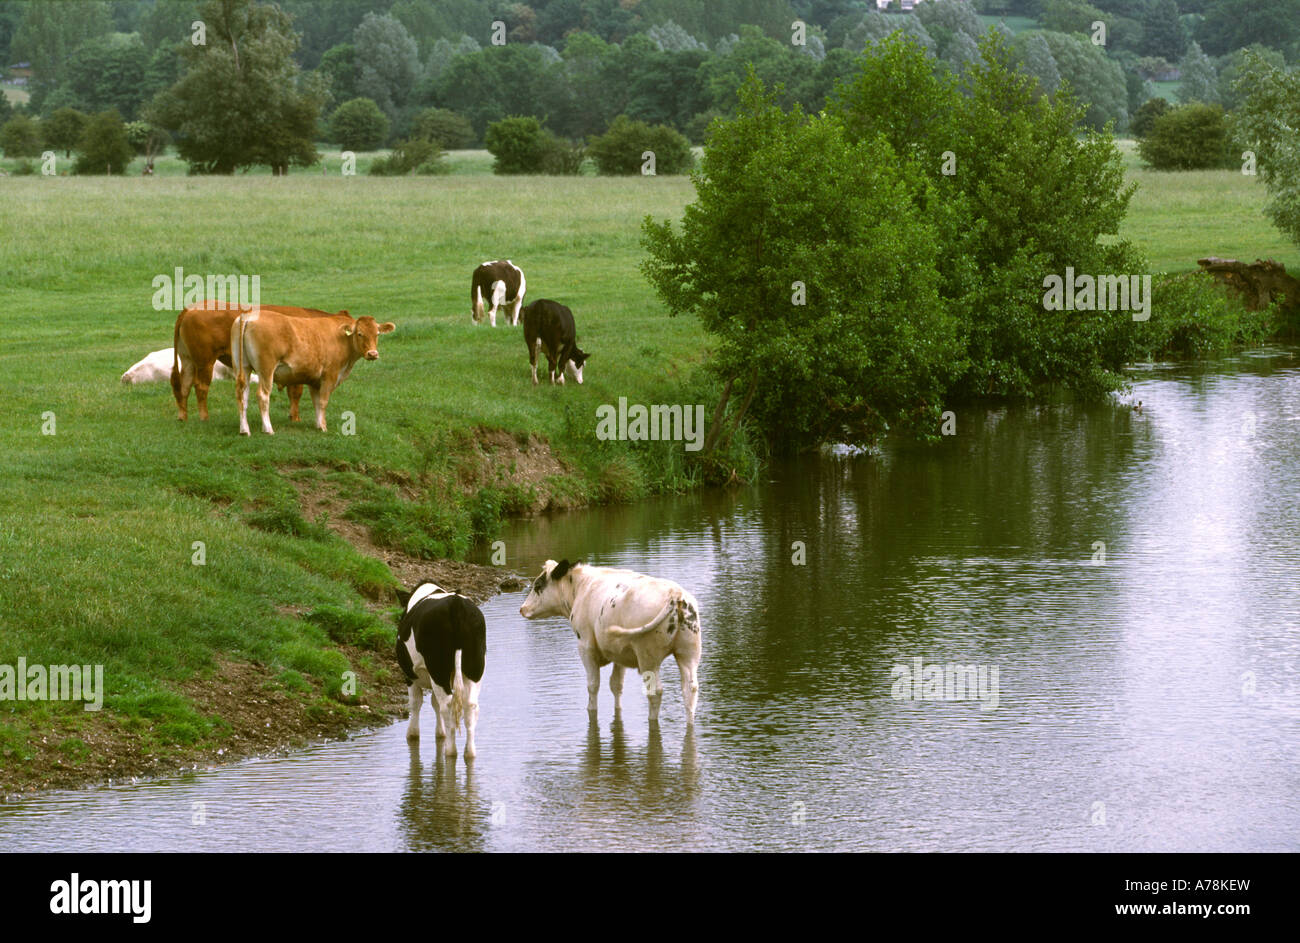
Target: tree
(358, 125)
(1265, 123)
(1234, 66)
(240, 102)
(497, 81)
(339, 67)
(1072, 16)
(1096, 79)
(1163, 32)
(1191, 137)
(1200, 78)
(448, 129)
(946, 19)
(622, 148)
(670, 37)
(1036, 59)
(63, 130)
(422, 157)
(1144, 118)
(517, 144)
(874, 26)
(1233, 24)
(1025, 198)
(388, 62)
(20, 137)
(103, 147)
(6, 109)
(871, 347)
(108, 72)
(48, 34)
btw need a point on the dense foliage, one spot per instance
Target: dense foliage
(921, 213)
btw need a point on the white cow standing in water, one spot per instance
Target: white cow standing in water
(629, 619)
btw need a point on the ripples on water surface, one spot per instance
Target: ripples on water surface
(1125, 719)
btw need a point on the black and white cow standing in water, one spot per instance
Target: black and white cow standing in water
(442, 645)
(619, 616)
(549, 328)
(499, 283)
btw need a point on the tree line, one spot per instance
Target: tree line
(445, 70)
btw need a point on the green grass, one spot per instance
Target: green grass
(1184, 216)
(99, 523)
(16, 95)
(96, 541)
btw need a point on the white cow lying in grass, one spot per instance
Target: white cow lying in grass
(158, 366)
(619, 616)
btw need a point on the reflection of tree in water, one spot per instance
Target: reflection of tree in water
(437, 812)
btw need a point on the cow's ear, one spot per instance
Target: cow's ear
(387, 327)
(347, 330)
(561, 568)
(403, 597)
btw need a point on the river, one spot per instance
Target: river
(1125, 586)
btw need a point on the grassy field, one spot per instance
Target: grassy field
(101, 518)
(16, 95)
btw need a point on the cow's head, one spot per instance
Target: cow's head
(363, 333)
(574, 365)
(551, 593)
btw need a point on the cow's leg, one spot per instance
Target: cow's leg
(514, 315)
(443, 700)
(550, 363)
(203, 380)
(471, 717)
(415, 698)
(241, 397)
(320, 397)
(264, 403)
(616, 687)
(295, 394)
(532, 358)
(687, 662)
(593, 677)
(654, 689)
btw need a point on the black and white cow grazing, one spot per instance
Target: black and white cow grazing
(632, 620)
(497, 282)
(548, 327)
(441, 645)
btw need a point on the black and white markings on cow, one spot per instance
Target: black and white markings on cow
(442, 646)
(549, 329)
(494, 284)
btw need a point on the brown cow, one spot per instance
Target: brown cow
(314, 352)
(202, 338)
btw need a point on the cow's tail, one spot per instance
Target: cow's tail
(476, 300)
(457, 698)
(237, 356)
(176, 356)
(671, 610)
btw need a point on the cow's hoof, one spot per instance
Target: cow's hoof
(412, 735)
(470, 753)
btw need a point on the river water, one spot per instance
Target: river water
(1132, 579)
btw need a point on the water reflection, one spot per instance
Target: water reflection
(1131, 576)
(441, 809)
